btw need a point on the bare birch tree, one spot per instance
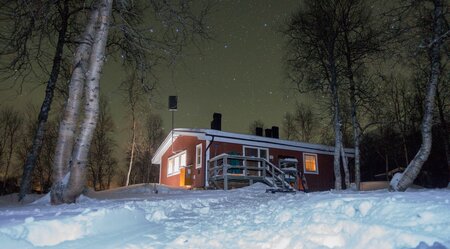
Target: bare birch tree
(41, 177)
(150, 138)
(34, 42)
(102, 163)
(34, 16)
(300, 125)
(313, 34)
(433, 46)
(359, 39)
(179, 26)
(304, 118)
(89, 61)
(10, 123)
(133, 89)
(288, 126)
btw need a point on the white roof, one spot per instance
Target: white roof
(250, 140)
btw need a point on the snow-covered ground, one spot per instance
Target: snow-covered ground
(136, 217)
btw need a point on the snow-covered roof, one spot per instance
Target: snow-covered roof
(244, 139)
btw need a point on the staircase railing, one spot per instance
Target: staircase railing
(278, 176)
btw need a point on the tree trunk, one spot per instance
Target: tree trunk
(357, 141)
(416, 164)
(30, 163)
(100, 178)
(354, 117)
(133, 144)
(337, 126)
(345, 166)
(77, 179)
(8, 160)
(67, 127)
(400, 121)
(387, 166)
(337, 151)
(445, 135)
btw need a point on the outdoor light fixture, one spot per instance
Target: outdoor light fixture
(173, 101)
(173, 107)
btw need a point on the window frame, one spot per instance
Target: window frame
(171, 170)
(198, 156)
(316, 172)
(259, 151)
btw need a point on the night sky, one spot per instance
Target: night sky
(239, 73)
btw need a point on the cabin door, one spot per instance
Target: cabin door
(185, 176)
(255, 152)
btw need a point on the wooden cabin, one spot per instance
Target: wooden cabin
(187, 157)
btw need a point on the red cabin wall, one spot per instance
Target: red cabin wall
(188, 144)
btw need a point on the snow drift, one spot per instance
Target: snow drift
(242, 218)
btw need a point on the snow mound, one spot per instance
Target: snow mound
(241, 218)
(256, 187)
(136, 192)
(147, 188)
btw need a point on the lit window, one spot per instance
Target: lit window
(170, 166)
(198, 156)
(175, 163)
(310, 163)
(183, 160)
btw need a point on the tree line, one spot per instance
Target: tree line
(377, 74)
(74, 38)
(353, 55)
(376, 68)
(105, 167)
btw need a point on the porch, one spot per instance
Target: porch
(233, 171)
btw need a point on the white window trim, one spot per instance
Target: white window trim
(259, 150)
(304, 164)
(172, 157)
(259, 154)
(198, 165)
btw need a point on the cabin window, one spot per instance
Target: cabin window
(310, 165)
(175, 163)
(198, 156)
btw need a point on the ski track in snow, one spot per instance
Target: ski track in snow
(242, 218)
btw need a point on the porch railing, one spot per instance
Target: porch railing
(225, 168)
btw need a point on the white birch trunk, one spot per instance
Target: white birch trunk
(345, 166)
(356, 128)
(67, 127)
(357, 135)
(337, 128)
(133, 144)
(416, 164)
(77, 178)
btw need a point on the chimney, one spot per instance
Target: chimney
(259, 131)
(275, 132)
(268, 132)
(216, 123)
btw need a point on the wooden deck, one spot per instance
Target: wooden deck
(232, 171)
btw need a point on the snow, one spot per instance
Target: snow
(137, 217)
(290, 160)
